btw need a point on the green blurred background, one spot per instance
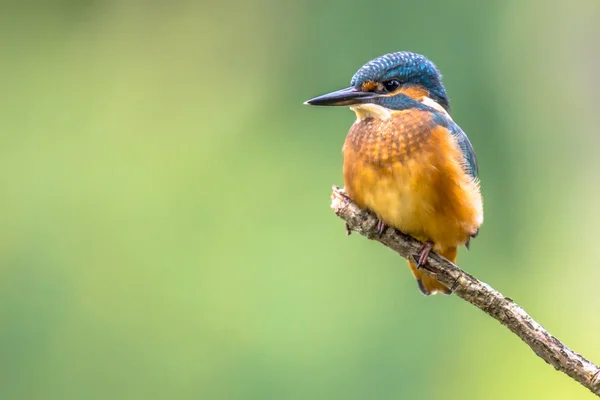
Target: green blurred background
(166, 230)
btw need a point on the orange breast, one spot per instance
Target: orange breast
(409, 172)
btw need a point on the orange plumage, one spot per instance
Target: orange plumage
(410, 173)
(406, 160)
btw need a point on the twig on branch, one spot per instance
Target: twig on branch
(478, 293)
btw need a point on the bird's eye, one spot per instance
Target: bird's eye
(391, 85)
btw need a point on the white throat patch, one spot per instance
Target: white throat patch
(370, 111)
(433, 104)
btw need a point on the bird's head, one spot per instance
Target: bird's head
(393, 81)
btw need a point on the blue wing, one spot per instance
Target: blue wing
(470, 165)
(466, 148)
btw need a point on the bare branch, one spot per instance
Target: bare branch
(478, 293)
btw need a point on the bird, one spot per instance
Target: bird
(407, 161)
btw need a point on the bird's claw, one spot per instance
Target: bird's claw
(381, 227)
(424, 254)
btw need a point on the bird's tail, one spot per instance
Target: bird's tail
(427, 284)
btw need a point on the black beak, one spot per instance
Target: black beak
(344, 97)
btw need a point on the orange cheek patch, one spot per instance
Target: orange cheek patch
(369, 86)
(415, 92)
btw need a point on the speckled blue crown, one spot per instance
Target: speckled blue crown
(398, 65)
(407, 68)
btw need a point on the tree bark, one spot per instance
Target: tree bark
(478, 293)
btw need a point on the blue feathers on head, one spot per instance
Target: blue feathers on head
(407, 68)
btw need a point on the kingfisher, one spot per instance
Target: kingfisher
(407, 161)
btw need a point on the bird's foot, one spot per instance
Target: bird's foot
(348, 230)
(424, 254)
(381, 227)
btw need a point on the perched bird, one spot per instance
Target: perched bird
(406, 160)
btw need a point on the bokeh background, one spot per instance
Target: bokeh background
(166, 230)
